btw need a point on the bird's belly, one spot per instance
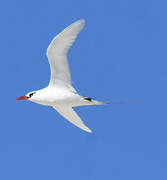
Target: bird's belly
(59, 100)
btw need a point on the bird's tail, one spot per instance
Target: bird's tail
(114, 102)
(94, 102)
(91, 101)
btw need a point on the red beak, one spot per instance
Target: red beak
(22, 98)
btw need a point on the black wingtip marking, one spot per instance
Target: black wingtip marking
(88, 99)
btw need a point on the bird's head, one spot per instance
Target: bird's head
(28, 96)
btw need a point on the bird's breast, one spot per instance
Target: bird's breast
(53, 98)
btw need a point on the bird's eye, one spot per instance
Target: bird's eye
(31, 94)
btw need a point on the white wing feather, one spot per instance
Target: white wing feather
(69, 114)
(57, 53)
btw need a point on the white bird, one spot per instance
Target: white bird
(59, 93)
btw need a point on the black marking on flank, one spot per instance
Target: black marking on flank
(88, 99)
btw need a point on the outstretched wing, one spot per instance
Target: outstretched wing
(57, 53)
(69, 114)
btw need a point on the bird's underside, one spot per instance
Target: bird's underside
(63, 101)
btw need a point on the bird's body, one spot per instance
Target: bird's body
(60, 93)
(57, 96)
(54, 96)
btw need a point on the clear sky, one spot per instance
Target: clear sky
(119, 56)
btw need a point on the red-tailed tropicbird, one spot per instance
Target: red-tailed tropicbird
(59, 93)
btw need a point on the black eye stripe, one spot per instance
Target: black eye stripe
(31, 94)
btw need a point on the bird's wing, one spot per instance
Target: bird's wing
(57, 53)
(69, 114)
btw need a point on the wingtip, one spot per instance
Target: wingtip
(81, 21)
(87, 129)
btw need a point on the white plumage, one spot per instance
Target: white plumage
(59, 93)
(57, 53)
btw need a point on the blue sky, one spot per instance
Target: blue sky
(119, 56)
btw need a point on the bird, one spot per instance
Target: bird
(60, 93)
